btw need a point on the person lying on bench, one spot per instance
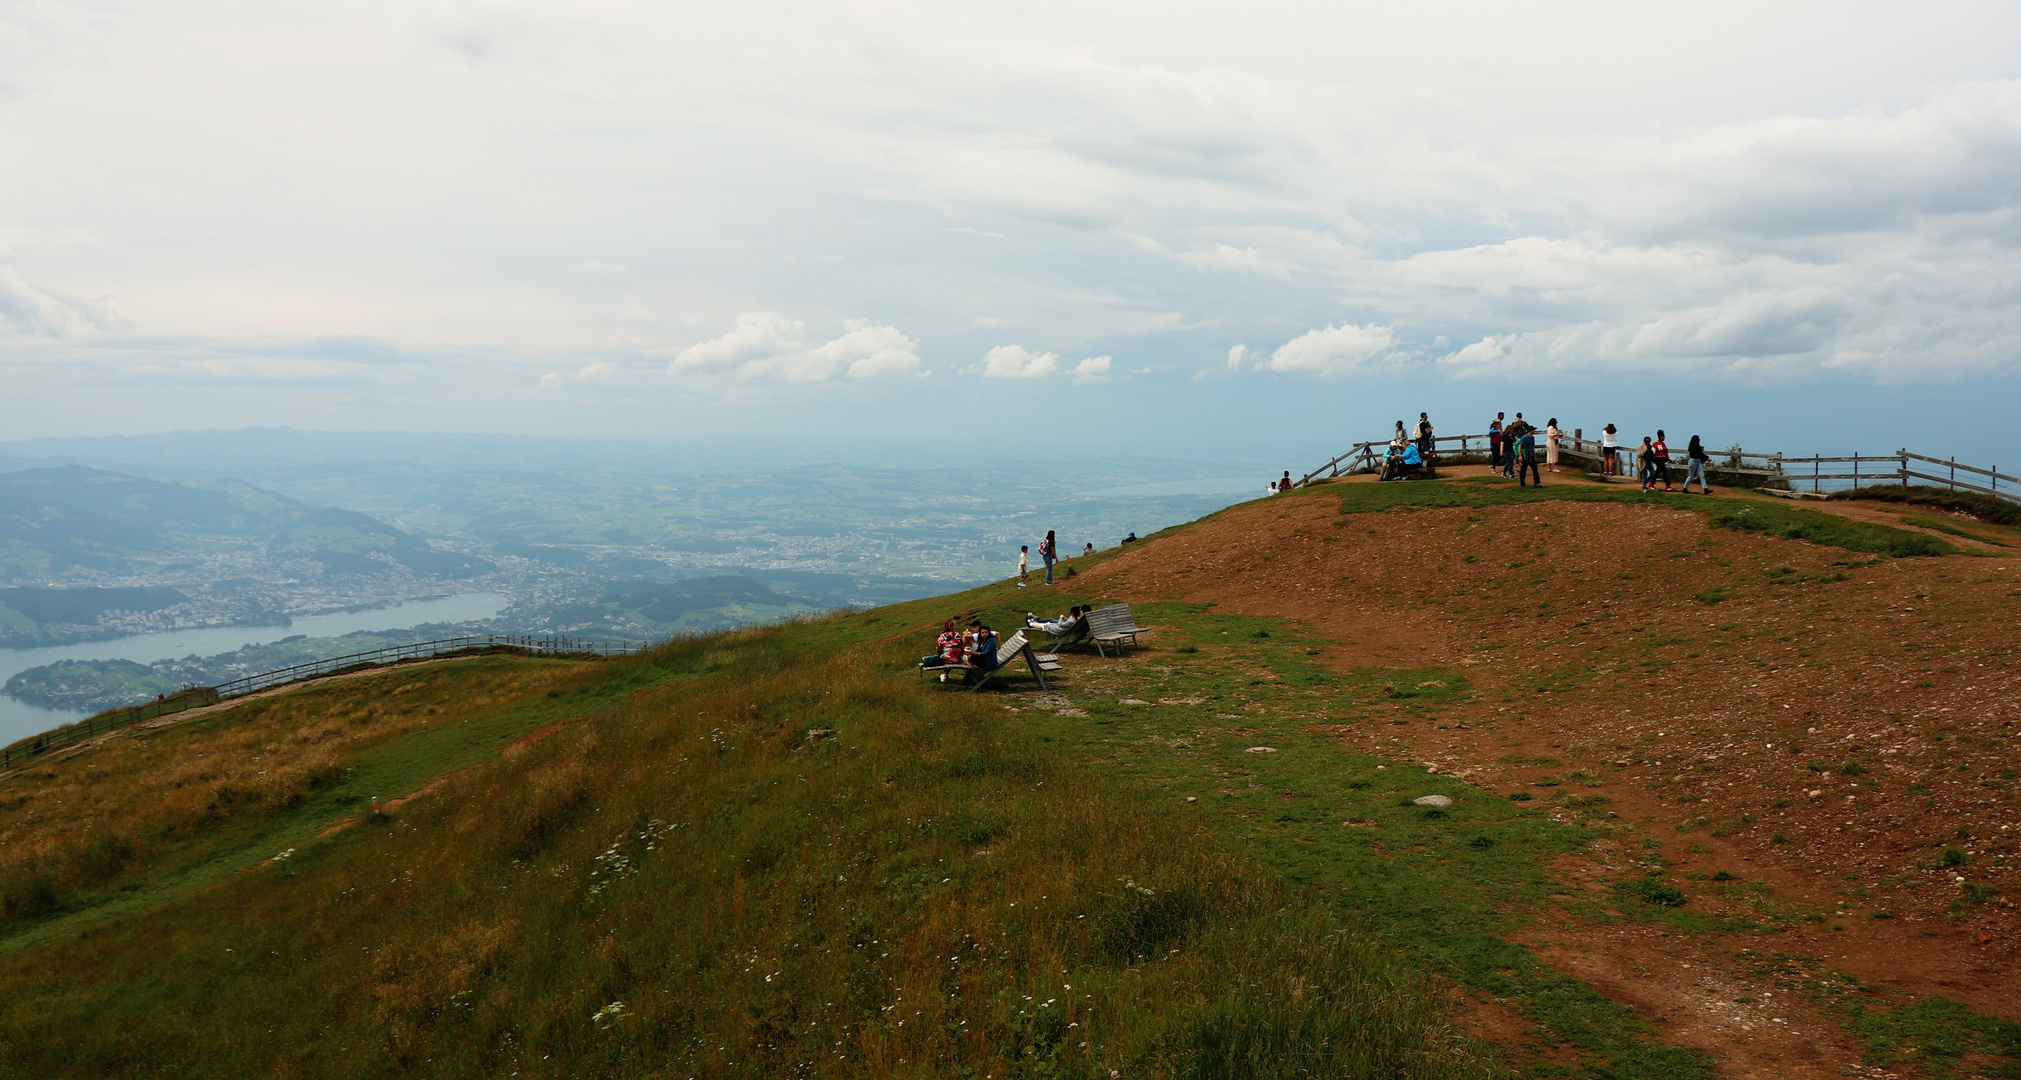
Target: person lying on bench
(950, 648)
(1056, 627)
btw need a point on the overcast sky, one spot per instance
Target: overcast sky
(1792, 226)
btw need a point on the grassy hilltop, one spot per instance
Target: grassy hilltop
(776, 852)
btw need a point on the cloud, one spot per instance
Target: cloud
(1095, 369)
(1334, 350)
(550, 381)
(770, 346)
(1014, 362)
(35, 312)
(1235, 357)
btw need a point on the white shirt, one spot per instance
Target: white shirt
(1607, 439)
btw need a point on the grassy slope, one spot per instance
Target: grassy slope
(930, 884)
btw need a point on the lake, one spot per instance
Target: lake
(18, 719)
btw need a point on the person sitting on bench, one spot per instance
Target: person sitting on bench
(981, 655)
(949, 646)
(1056, 627)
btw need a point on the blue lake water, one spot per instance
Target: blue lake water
(1218, 485)
(18, 719)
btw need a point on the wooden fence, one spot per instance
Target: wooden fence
(195, 696)
(1732, 464)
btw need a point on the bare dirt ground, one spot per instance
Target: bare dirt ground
(1838, 728)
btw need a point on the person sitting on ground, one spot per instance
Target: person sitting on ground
(1090, 549)
(1132, 538)
(949, 646)
(1056, 627)
(1285, 484)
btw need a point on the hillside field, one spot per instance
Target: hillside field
(1732, 792)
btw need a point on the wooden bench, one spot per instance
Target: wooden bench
(1113, 625)
(1007, 653)
(1076, 634)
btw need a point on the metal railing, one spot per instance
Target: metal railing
(1749, 466)
(196, 696)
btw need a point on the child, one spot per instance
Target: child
(1024, 571)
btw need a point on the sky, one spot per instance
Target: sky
(1159, 228)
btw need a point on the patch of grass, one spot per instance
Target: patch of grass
(1983, 507)
(1710, 596)
(1795, 523)
(1924, 521)
(1652, 891)
(1938, 1035)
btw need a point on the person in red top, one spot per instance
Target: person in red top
(1659, 455)
(949, 649)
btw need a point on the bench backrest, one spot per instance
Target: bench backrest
(1111, 619)
(1008, 649)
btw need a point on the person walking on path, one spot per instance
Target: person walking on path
(1645, 464)
(1696, 460)
(1495, 442)
(1049, 551)
(1551, 437)
(1528, 464)
(1024, 568)
(1610, 451)
(1660, 452)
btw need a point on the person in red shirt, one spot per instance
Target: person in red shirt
(1659, 455)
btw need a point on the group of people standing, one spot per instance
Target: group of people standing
(1512, 448)
(1049, 552)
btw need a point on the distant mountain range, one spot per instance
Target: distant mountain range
(74, 517)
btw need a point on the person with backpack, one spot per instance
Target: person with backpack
(1660, 454)
(1528, 448)
(1049, 551)
(1696, 459)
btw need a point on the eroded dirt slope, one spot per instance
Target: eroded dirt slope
(1836, 727)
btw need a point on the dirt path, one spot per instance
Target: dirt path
(1596, 661)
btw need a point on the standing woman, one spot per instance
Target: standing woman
(1049, 551)
(1551, 437)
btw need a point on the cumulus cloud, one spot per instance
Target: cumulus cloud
(1236, 355)
(34, 312)
(1346, 349)
(1015, 362)
(1095, 369)
(769, 346)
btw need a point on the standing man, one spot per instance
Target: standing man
(1050, 552)
(1425, 437)
(1526, 468)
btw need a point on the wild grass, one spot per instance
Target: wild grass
(1821, 528)
(1984, 507)
(155, 812)
(758, 859)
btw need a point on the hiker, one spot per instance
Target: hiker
(1659, 452)
(1049, 550)
(1024, 569)
(1132, 538)
(1645, 464)
(1610, 451)
(1495, 442)
(1425, 436)
(949, 649)
(1056, 627)
(1551, 437)
(1696, 460)
(1512, 435)
(1528, 463)
(1090, 549)
(1284, 485)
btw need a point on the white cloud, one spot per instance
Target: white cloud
(550, 381)
(1236, 355)
(1014, 362)
(34, 312)
(1335, 350)
(1095, 369)
(767, 345)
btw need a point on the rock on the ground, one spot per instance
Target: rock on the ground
(1431, 800)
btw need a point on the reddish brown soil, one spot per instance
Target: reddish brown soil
(1594, 665)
